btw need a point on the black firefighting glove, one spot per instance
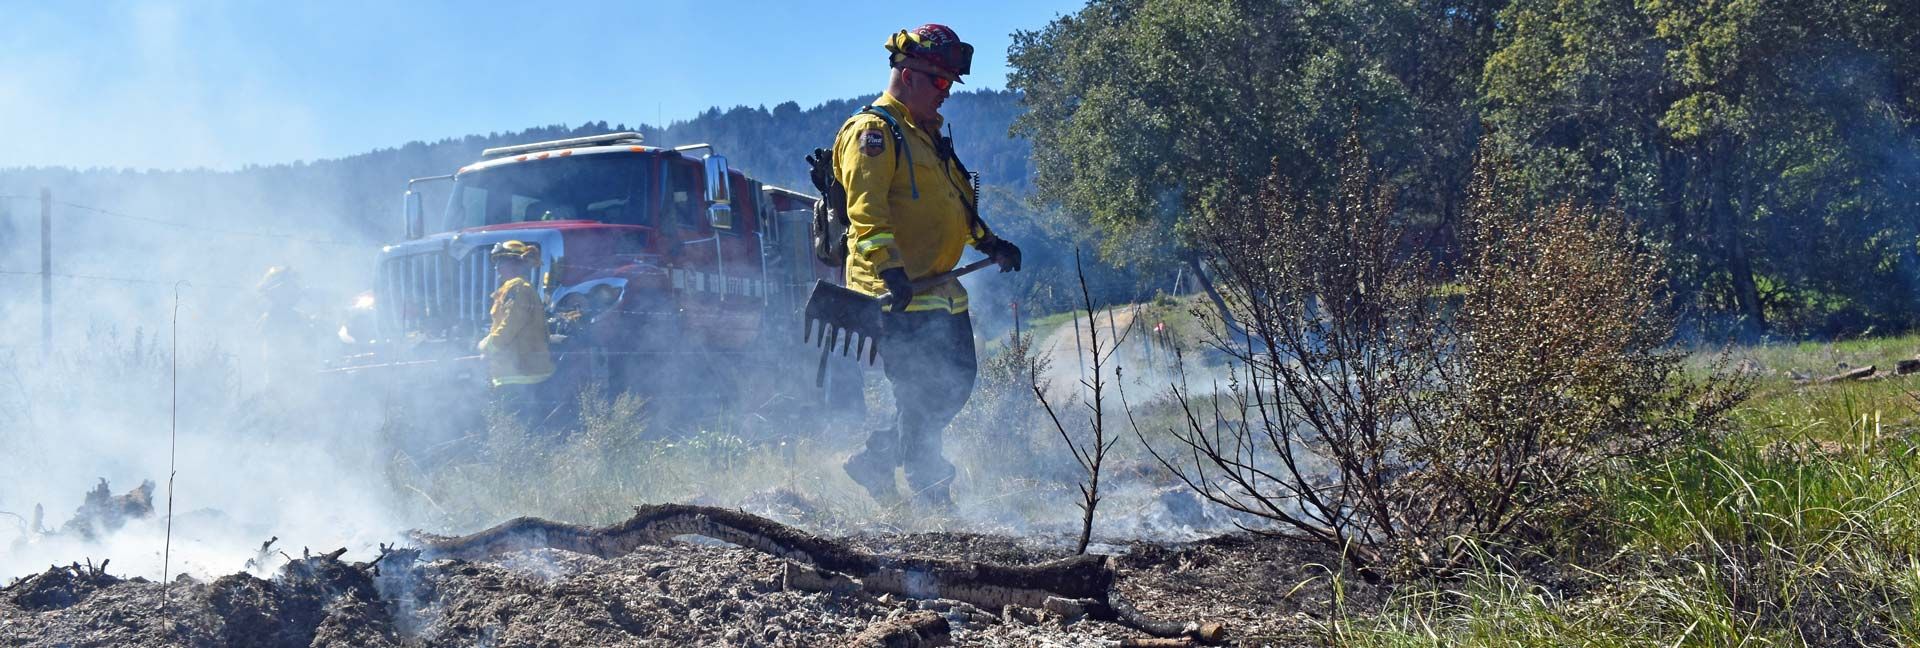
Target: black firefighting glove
(900, 288)
(1001, 251)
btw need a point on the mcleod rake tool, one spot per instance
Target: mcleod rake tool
(839, 316)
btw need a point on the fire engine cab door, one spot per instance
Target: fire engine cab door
(716, 271)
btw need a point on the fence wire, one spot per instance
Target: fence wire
(125, 280)
(89, 209)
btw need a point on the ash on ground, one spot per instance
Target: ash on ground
(683, 594)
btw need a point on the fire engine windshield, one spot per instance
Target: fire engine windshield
(605, 188)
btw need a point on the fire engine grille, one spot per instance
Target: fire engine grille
(435, 295)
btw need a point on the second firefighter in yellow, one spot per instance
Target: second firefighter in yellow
(516, 345)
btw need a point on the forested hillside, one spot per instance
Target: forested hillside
(352, 204)
(359, 196)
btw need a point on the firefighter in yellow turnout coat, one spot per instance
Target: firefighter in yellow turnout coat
(516, 345)
(891, 228)
(911, 210)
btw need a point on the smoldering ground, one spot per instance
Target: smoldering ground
(312, 458)
(101, 396)
(268, 446)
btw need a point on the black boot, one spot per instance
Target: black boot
(876, 475)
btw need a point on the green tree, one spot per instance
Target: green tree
(1146, 114)
(1768, 143)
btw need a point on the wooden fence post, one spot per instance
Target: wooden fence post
(46, 271)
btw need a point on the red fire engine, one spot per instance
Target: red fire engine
(660, 268)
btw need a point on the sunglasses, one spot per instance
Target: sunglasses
(940, 83)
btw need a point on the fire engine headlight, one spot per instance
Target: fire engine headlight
(587, 303)
(357, 323)
(602, 297)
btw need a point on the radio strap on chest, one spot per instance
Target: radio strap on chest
(899, 144)
(973, 206)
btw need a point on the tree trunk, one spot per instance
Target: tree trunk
(1733, 245)
(1226, 315)
(1746, 292)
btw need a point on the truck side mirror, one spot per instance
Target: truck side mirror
(415, 222)
(719, 184)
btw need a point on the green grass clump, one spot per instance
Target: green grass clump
(1798, 528)
(1819, 359)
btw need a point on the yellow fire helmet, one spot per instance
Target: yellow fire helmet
(515, 250)
(931, 48)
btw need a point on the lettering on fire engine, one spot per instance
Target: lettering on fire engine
(695, 281)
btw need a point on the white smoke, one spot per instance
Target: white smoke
(304, 461)
(100, 401)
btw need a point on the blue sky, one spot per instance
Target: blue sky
(225, 84)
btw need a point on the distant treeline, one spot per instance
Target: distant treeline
(1773, 146)
(361, 193)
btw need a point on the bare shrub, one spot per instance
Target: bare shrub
(1001, 410)
(1089, 447)
(1382, 410)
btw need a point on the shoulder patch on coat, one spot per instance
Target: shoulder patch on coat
(873, 142)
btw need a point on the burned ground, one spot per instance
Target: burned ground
(685, 593)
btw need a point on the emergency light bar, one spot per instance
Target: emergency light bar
(590, 140)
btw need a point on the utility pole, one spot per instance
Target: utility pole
(46, 271)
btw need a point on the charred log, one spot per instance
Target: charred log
(105, 512)
(808, 579)
(1118, 610)
(1157, 642)
(985, 585)
(1858, 373)
(982, 584)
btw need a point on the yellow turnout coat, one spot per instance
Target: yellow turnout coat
(516, 346)
(905, 211)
